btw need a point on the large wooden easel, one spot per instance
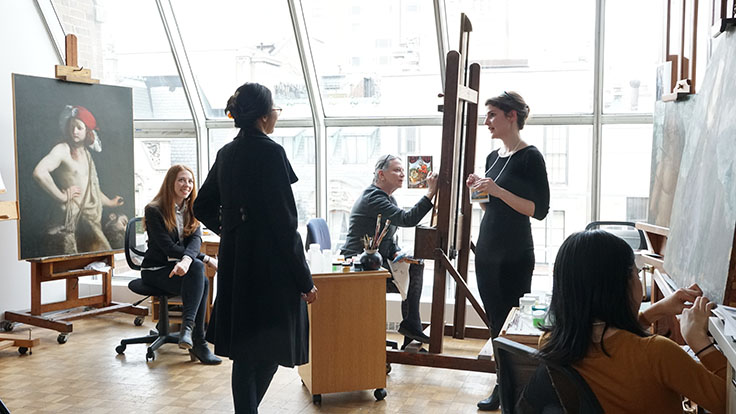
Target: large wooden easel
(447, 242)
(71, 268)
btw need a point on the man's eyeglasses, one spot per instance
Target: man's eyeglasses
(381, 165)
(277, 109)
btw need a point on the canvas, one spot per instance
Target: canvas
(74, 158)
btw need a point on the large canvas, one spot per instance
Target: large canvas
(703, 218)
(74, 158)
(671, 121)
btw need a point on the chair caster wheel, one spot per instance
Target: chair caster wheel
(380, 394)
(62, 338)
(150, 355)
(23, 350)
(388, 368)
(317, 399)
(120, 349)
(138, 321)
(7, 326)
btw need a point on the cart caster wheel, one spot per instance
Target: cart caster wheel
(8, 326)
(317, 399)
(388, 368)
(150, 355)
(62, 338)
(22, 350)
(120, 349)
(380, 394)
(138, 321)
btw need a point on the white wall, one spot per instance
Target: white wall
(26, 49)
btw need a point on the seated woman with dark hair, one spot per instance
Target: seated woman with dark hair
(173, 261)
(595, 327)
(388, 176)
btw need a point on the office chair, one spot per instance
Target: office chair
(623, 229)
(529, 385)
(515, 366)
(134, 256)
(318, 232)
(573, 392)
(3, 408)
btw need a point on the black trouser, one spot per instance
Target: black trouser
(192, 287)
(412, 320)
(249, 382)
(501, 283)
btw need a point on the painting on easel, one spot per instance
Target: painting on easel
(74, 157)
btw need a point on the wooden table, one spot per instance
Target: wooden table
(347, 334)
(210, 247)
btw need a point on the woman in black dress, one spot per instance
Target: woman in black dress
(260, 315)
(516, 182)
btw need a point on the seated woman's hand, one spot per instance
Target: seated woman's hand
(182, 267)
(694, 323)
(212, 263)
(673, 304)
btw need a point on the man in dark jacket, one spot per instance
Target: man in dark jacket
(388, 177)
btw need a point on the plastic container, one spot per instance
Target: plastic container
(526, 303)
(538, 318)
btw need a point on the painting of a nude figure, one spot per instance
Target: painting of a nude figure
(74, 156)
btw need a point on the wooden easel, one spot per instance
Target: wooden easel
(448, 242)
(71, 268)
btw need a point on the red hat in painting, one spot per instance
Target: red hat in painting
(84, 115)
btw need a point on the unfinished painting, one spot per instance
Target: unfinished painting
(703, 217)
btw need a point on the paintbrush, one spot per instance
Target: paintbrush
(378, 228)
(383, 233)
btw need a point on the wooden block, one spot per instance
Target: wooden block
(75, 74)
(8, 210)
(70, 43)
(425, 242)
(5, 344)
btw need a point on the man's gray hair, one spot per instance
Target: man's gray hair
(382, 164)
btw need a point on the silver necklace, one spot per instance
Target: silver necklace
(513, 151)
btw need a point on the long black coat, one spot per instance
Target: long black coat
(259, 314)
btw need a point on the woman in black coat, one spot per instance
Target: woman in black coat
(260, 318)
(173, 261)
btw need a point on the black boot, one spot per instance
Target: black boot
(492, 403)
(185, 335)
(201, 352)
(416, 335)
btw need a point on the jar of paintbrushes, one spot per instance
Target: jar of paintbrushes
(370, 258)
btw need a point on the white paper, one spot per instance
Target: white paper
(400, 271)
(98, 266)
